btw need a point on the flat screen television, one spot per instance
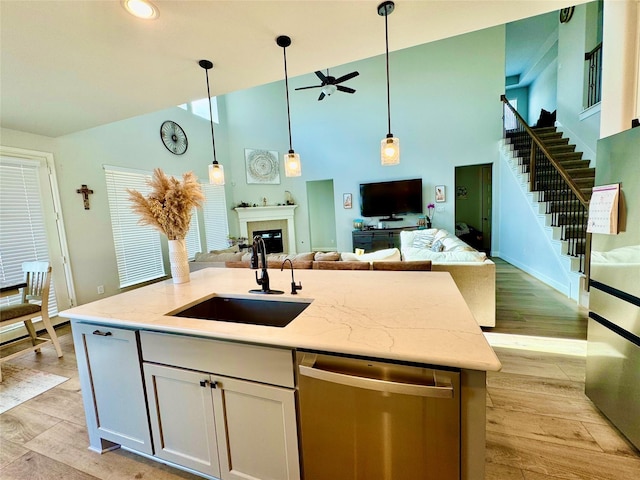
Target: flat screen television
(388, 199)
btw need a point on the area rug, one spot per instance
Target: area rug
(20, 384)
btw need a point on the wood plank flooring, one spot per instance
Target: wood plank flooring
(540, 425)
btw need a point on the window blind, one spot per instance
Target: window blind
(216, 225)
(23, 236)
(138, 248)
(192, 240)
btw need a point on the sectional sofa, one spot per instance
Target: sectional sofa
(472, 271)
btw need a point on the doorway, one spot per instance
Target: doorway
(322, 215)
(473, 205)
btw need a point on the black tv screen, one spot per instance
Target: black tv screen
(386, 199)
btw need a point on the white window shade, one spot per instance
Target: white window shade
(192, 240)
(23, 236)
(138, 247)
(216, 225)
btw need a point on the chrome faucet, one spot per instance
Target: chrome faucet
(294, 287)
(258, 249)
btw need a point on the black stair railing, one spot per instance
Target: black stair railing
(594, 75)
(567, 204)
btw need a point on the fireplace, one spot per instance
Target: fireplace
(254, 219)
(272, 240)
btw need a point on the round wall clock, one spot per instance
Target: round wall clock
(173, 137)
(566, 14)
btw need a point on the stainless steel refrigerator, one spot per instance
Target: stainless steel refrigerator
(613, 336)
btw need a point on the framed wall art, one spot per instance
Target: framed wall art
(347, 200)
(440, 193)
(262, 166)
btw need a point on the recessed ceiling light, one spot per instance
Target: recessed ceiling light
(141, 9)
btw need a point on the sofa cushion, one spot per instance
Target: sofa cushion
(411, 253)
(218, 257)
(388, 254)
(343, 265)
(326, 256)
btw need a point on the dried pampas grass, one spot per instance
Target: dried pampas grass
(169, 206)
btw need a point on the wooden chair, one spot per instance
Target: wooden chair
(38, 279)
(413, 265)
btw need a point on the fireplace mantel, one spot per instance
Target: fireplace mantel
(261, 214)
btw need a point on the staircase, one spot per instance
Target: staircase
(565, 210)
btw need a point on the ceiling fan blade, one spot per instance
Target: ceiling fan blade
(346, 77)
(321, 96)
(322, 77)
(345, 89)
(312, 86)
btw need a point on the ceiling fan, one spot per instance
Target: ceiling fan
(330, 84)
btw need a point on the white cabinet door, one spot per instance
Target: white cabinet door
(258, 424)
(182, 421)
(113, 393)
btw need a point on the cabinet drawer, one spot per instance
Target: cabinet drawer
(251, 362)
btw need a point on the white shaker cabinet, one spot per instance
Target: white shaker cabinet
(112, 389)
(258, 423)
(181, 412)
(231, 428)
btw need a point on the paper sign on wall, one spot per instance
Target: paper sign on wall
(603, 210)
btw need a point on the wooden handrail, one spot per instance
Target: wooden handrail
(563, 173)
(588, 55)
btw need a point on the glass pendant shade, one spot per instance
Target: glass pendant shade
(216, 174)
(292, 167)
(390, 151)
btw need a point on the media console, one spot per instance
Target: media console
(372, 240)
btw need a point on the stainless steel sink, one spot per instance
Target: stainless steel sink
(272, 313)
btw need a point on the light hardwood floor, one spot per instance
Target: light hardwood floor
(540, 425)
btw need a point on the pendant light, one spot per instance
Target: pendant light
(292, 167)
(390, 145)
(216, 171)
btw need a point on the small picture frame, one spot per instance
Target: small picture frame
(347, 200)
(440, 194)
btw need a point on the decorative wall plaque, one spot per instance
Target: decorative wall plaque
(262, 166)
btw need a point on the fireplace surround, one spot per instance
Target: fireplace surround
(283, 213)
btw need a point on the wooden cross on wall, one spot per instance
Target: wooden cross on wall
(85, 191)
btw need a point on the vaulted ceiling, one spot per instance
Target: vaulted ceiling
(66, 66)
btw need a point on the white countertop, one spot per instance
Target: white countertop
(409, 316)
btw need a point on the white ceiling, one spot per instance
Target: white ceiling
(66, 66)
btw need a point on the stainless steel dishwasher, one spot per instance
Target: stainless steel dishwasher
(371, 420)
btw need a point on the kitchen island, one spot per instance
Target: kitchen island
(137, 355)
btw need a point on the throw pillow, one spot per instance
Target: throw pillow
(547, 119)
(424, 238)
(327, 257)
(437, 246)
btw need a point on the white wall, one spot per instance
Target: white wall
(542, 92)
(445, 109)
(79, 159)
(621, 78)
(572, 46)
(523, 241)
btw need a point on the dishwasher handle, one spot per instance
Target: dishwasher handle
(445, 391)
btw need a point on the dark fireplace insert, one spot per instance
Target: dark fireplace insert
(272, 240)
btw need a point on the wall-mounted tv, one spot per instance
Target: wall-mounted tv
(388, 199)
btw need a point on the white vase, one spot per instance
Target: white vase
(179, 261)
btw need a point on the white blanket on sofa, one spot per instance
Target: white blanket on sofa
(437, 245)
